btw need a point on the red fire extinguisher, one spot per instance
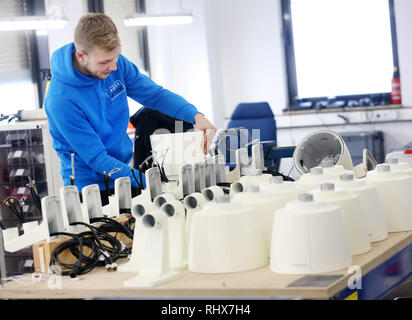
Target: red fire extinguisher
(396, 87)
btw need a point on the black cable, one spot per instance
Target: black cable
(107, 180)
(14, 116)
(276, 173)
(223, 184)
(128, 224)
(164, 176)
(112, 226)
(10, 203)
(108, 177)
(105, 249)
(71, 269)
(162, 173)
(34, 198)
(90, 261)
(106, 184)
(100, 253)
(92, 229)
(3, 117)
(111, 253)
(139, 184)
(141, 175)
(118, 227)
(34, 193)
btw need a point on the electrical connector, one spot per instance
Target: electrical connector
(108, 267)
(15, 206)
(76, 270)
(72, 176)
(105, 256)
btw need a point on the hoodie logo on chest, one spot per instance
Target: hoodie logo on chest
(115, 90)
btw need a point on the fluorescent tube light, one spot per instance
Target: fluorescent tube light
(31, 23)
(157, 20)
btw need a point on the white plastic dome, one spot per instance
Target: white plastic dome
(226, 237)
(394, 189)
(309, 237)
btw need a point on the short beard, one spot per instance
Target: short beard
(91, 73)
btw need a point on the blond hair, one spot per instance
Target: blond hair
(96, 30)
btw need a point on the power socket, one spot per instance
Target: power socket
(384, 115)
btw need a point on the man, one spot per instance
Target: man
(87, 108)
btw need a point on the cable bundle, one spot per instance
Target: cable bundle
(11, 202)
(146, 165)
(128, 225)
(79, 266)
(34, 194)
(111, 225)
(105, 249)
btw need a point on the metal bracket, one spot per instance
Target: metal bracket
(258, 160)
(199, 176)
(153, 182)
(71, 208)
(220, 168)
(123, 194)
(210, 173)
(92, 203)
(243, 161)
(186, 180)
(52, 214)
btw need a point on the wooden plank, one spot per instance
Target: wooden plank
(256, 283)
(43, 250)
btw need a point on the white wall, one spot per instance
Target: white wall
(178, 54)
(73, 10)
(230, 54)
(245, 44)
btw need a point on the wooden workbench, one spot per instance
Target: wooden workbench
(258, 283)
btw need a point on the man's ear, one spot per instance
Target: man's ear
(81, 56)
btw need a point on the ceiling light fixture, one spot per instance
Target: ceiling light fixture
(158, 20)
(31, 23)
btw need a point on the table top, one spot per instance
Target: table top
(260, 283)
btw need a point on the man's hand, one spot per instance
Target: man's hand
(209, 130)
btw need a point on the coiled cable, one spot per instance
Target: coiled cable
(72, 269)
(105, 249)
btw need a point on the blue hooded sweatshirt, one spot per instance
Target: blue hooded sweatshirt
(89, 117)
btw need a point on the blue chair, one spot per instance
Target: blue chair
(257, 115)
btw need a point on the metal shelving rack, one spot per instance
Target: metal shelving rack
(25, 151)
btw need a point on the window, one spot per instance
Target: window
(129, 37)
(16, 85)
(339, 53)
